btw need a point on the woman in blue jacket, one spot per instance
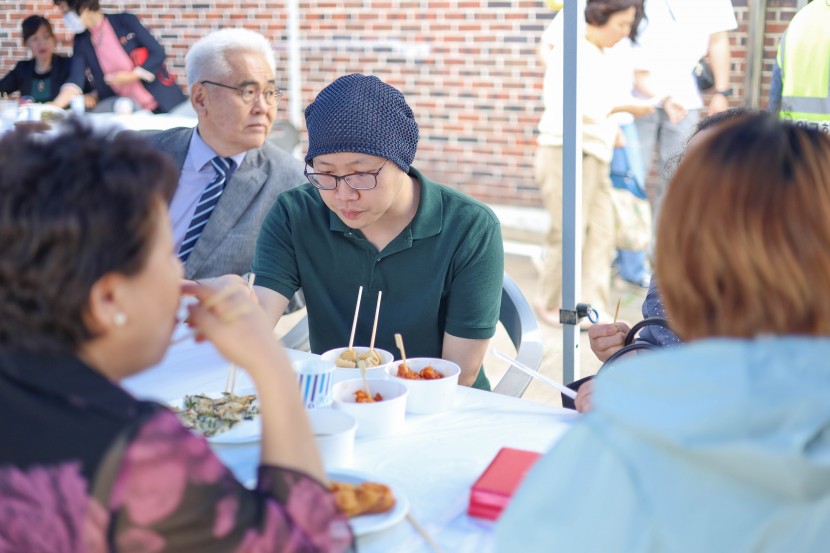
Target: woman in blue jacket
(121, 56)
(721, 444)
(42, 76)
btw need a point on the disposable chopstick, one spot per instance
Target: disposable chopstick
(233, 368)
(375, 325)
(362, 364)
(535, 374)
(617, 311)
(354, 322)
(424, 534)
(399, 343)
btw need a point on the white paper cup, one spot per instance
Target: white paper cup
(345, 373)
(315, 378)
(379, 418)
(334, 433)
(428, 396)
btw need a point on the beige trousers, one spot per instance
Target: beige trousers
(597, 229)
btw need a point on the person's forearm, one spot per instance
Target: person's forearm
(468, 354)
(643, 85)
(272, 303)
(720, 57)
(68, 91)
(287, 436)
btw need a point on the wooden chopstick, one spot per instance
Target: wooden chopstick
(399, 343)
(233, 368)
(354, 321)
(617, 312)
(423, 533)
(375, 325)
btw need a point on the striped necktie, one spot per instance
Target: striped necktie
(208, 201)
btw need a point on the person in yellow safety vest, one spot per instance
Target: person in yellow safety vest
(800, 88)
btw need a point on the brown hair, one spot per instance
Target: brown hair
(73, 208)
(743, 241)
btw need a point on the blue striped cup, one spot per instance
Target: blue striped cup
(315, 378)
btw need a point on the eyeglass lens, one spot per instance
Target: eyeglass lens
(250, 93)
(358, 181)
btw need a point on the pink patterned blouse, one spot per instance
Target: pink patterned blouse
(88, 468)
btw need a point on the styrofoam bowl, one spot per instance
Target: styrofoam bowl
(345, 373)
(428, 396)
(379, 418)
(334, 433)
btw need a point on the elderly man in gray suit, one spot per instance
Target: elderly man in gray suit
(230, 175)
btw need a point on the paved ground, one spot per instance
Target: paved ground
(523, 271)
(522, 228)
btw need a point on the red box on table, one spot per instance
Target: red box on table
(495, 487)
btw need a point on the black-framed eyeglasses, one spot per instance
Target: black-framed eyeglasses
(250, 92)
(357, 181)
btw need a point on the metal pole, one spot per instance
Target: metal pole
(574, 32)
(755, 52)
(295, 107)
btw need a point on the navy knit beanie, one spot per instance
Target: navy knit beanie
(360, 113)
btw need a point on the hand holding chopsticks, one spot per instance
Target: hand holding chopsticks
(535, 374)
(212, 301)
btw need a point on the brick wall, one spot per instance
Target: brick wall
(468, 67)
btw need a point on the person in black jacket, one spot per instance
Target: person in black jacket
(135, 70)
(42, 76)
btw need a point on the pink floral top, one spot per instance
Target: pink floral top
(155, 487)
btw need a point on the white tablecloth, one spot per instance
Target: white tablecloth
(434, 461)
(139, 121)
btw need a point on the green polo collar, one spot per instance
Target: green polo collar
(428, 220)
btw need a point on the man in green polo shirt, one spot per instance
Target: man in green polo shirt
(367, 218)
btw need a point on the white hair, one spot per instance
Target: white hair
(208, 57)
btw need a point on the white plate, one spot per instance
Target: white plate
(366, 524)
(244, 432)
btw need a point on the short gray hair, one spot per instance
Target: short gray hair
(207, 58)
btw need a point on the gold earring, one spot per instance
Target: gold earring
(120, 319)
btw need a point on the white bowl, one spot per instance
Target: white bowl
(428, 396)
(378, 418)
(345, 373)
(334, 433)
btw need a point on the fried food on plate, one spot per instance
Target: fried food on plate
(362, 499)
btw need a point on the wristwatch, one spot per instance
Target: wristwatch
(727, 92)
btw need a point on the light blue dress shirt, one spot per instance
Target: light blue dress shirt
(197, 173)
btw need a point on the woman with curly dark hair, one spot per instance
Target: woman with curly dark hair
(89, 291)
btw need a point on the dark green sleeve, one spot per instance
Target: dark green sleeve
(474, 299)
(275, 262)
